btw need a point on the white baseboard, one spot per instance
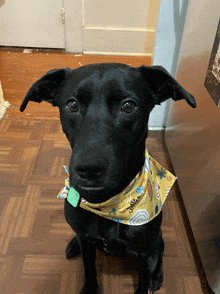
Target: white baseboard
(117, 53)
(3, 108)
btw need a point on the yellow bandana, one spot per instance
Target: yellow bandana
(140, 202)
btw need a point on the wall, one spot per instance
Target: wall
(30, 23)
(124, 27)
(107, 27)
(171, 22)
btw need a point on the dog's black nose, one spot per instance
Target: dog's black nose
(90, 172)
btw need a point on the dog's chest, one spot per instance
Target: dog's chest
(111, 237)
(112, 240)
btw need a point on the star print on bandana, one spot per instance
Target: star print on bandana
(162, 173)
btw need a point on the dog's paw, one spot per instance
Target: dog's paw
(156, 283)
(156, 280)
(141, 291)
(72, 249)
(89, 289)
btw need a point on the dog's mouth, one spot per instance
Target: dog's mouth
(95, 194)
(92, 189)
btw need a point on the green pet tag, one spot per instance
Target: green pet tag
(73, 197)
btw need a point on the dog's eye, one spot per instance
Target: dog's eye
(128, 106)
(72, 106)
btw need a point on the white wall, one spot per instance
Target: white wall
(122, 27)
(30, 23)
(167, 47)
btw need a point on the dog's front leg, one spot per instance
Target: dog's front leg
(148, 264)
(88, 251)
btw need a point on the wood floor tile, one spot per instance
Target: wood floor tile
(19, 71)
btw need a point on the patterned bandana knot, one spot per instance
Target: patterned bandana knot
(138, 204)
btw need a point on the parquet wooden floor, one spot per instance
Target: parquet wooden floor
(34, 233)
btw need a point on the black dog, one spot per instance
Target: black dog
(104, 111)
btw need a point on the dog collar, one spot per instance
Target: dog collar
(138, 204)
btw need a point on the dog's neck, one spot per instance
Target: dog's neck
(138, 204)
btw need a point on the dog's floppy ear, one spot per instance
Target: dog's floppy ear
(46, 88)
(164, 86)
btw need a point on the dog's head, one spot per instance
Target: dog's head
(104, 112)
